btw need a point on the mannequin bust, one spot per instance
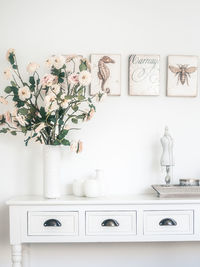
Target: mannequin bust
(167, 158)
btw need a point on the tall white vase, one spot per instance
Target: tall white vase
(51, 171)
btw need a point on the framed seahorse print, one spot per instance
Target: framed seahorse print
(182, 76)
(144, 75)
(106, 74)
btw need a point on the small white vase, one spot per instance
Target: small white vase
(51, 171)
(78, 188)
(91, 187)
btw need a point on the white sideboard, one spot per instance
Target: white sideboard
(143, 218)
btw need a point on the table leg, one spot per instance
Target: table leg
(17, 255)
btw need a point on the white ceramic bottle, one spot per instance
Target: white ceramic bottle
(91, 187)
(100, 179)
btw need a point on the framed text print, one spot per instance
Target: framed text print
(144, 75)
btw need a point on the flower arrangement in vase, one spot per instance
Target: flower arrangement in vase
(45, 109)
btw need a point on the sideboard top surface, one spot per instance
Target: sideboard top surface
(115, 199)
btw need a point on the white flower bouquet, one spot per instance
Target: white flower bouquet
(45, 109)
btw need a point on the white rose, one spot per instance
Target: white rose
(32, 67)
(84, 78)
(59, 61)
(7, 74)
(65, 103)
(50, 102)
(24, 93)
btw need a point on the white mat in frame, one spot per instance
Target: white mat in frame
(182, 75)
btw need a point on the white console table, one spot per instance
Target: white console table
(143, 218)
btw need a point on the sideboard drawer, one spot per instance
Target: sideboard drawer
(111, 223)
(52, 223)
(168, 222)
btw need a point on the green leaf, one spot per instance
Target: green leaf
(75, 108)
(11, 58)
(56, 143)
(13, 83)
(13, 133)
(65, 142)
(32, 80)
(24, 130)
(62, 75)
(83, 66)
(15, 90)
(60, 122)
(15, 67)
(81, 97)
(62, 134)
(32, 87)
(43, 112)
(4, 130)
(23, 111)
(74, 120)
(8, 89)
(20, 104)
(60, 80)
(27, 140)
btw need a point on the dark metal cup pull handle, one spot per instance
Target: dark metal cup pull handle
(167, 222)
(52, 223)
(110, 223)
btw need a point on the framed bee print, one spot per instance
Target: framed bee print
(144, 75)
(106, 74)
(182, 76)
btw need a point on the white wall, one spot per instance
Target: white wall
(123, 138)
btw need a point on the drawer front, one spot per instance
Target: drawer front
(111, 223)
(52, 223)
(168, 222)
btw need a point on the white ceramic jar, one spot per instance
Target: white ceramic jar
(92, 187)
(78, 187)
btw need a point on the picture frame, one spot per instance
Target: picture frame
(106, 74)
(144, 75)
(182, 78)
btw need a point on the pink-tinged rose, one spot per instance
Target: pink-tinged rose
(49, 62)
(7, 117)
(40, 127)
(10, 51)
(73, 146)
(7, 74)
(3, 100)
(73, 78)
(70, 57)
(79, 147)
(67, 127)
(48, 80)
(24, 93)
(90, 114)
(32, 67)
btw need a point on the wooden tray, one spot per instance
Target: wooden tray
(176, 190)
